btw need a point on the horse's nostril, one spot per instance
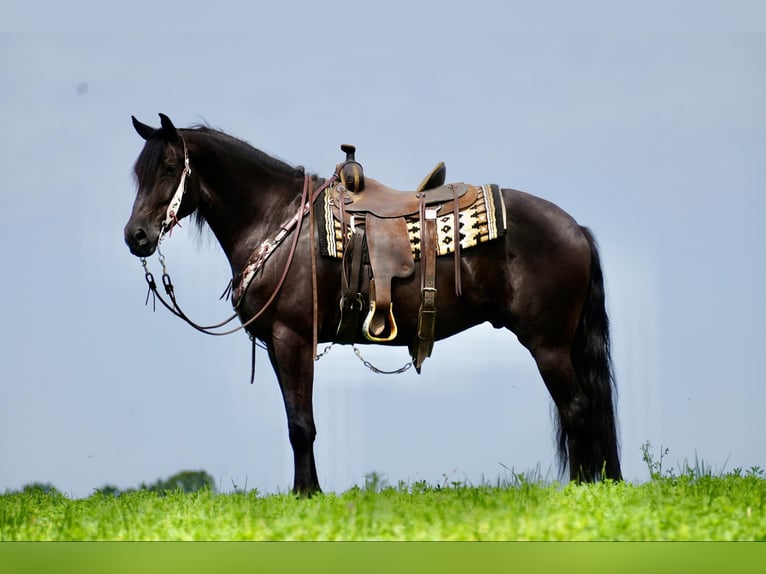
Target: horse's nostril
(139, 235)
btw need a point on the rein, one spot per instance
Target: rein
(254, 263)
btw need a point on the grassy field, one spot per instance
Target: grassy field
(686, 507)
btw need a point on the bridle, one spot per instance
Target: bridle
(171, 215)
(238, 285)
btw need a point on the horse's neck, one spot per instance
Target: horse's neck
(243, 203)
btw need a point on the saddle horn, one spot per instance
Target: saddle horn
(350, 172)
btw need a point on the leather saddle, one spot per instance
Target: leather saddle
(381, 212)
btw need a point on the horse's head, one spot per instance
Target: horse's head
(161, 173)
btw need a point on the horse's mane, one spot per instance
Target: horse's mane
(151, 155)
(237, 149)
(249, 153)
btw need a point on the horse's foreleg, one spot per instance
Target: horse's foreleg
(292, 361)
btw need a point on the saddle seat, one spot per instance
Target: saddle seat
(386, 202)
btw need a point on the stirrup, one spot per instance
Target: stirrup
(368, 319)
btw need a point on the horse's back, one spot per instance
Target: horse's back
(532, 218)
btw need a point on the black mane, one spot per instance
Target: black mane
(151, 155)
(250, 153)
(237, 149)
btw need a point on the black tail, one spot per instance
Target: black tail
(593, 364)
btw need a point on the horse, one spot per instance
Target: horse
(542, 280)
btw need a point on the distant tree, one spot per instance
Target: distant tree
(109, 490)
(186, 480)
(40, 487)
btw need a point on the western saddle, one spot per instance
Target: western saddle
(373, 225)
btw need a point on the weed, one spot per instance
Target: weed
(375, 482)
(653, 465)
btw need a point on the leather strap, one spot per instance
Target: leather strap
(428, 256)
(314, 304)
(351, 302)
(456, 215)
(356, 261)
(426, 334)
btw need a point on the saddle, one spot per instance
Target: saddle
(372, 217)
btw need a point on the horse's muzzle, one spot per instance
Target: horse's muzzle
(141, 242)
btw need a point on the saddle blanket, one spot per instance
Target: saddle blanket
(481, 222)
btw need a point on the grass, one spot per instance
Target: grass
(692, 505)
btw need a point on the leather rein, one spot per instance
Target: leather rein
(254, 264)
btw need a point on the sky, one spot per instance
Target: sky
(651, 133)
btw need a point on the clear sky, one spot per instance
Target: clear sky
(656, 141)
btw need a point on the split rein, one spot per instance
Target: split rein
(254, 264)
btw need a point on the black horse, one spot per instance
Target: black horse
(542, 280)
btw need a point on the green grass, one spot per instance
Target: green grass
(692, 506)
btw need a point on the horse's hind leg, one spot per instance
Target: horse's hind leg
(292, 361)
(558, 373)
(583, 398)
(556, 306)
(575, 369)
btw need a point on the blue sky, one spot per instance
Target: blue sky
(655, 140)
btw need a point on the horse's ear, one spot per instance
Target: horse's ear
(169, 131)
(143, 130)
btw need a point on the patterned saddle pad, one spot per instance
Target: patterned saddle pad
(482, 221)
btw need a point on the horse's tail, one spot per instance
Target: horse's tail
(592, 362)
